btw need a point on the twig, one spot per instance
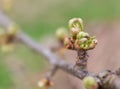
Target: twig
(37, 47)
(114, 83)
(82, 58)
(52, 72)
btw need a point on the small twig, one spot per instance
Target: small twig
(82, 58)
(52, 72)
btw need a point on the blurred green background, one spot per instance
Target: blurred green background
(39, 19)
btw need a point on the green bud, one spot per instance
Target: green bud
(93, 44)
(82, 35)
(90, 40)
(83, 43)
(86, 46)
(90, 83)
(13, 29)
(95, 41)
(76, 22)
(83, 40)
(75, 31)
(82, 46)
(61, 33)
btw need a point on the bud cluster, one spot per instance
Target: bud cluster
(78, 39)
(7, 38)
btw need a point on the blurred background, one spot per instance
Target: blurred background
(22, 69)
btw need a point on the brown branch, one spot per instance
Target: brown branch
(108, 80)
(82, 57)
(59, 63)
(37, 47)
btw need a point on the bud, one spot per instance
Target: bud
(85, 47)
(13, 29)
(90, 83)
(45, 83)
(76, 22)
(74, 32)
(82, 46)
(82, 35)
(95, 41)
(93, 44)
(42, 83)
(82, 43)
(83, 40)
(61, 33)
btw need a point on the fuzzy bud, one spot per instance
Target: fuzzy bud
(95, 41)
(93, 44)
(90, 83)
(12, 29)
(83, 40)
(45, 83)
(82, 35)
(61, 33)
(42, 83)
(76, 22)
(74, 32)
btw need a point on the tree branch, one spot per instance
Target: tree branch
(37, 47)
(52, 58)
